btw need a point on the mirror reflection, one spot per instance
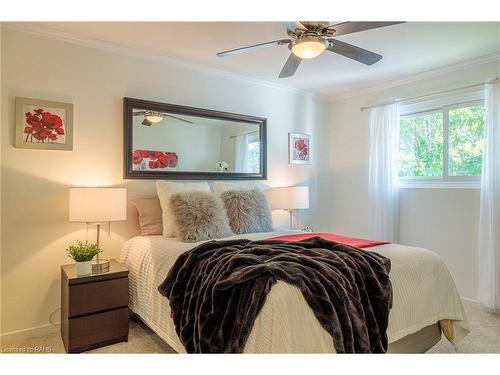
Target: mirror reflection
(170, 142)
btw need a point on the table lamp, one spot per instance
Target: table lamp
(290, 198)
(97, 205)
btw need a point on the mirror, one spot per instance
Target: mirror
(166, 141)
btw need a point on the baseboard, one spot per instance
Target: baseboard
(469, 300)
(492, 311)
(29, 333)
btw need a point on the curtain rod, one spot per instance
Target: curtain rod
(234, 136)
(493, 80)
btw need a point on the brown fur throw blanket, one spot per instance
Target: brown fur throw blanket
(217, 289)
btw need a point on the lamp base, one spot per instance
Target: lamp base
(100, 266)
(293, 213)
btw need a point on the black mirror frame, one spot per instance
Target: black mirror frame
(129, 173)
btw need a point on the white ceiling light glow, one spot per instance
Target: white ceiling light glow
(154, 117)
(308, 47)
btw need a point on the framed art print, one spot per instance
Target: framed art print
(145, 160)
(44, 124)
(299, 148)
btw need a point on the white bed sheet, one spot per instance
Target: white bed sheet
(423, 294)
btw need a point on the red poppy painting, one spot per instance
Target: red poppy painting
(144, 160)
(299, 148)
(43, 124)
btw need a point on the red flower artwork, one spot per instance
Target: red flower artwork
(302, 149)
(137, 157)
(43, 126)
(154, 159)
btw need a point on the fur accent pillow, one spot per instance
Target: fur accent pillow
(150, 220)
(165, 189)
(199, 216)
(248, 211)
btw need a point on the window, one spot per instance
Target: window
(421, 145)
(465, 139)
(254, 151)
(443, 145)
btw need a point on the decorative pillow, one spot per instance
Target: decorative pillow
(219, 187)
(248, 211)
(199, 216)
(149, 216)
(165, 190)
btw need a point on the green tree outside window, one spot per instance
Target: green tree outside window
(422, 142)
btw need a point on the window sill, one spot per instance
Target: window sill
(439, 184)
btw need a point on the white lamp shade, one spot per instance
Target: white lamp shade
(94, 205)
(288, 198)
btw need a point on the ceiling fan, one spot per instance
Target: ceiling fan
(309, 39)
(152, 117)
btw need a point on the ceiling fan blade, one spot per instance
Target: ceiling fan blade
(141, 113)
(180, 119)
(291, 66)
(293, 25)
(236, 51)
(147, 122)
(353, 52)
(354, 27)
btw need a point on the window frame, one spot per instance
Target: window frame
(444, 105)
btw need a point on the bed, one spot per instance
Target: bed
(425, 301)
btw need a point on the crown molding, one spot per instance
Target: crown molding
(419, 76)
(149, 55)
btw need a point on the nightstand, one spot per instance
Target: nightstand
(94, 308)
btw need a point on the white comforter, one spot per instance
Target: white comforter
(424, 293)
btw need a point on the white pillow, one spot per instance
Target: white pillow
(219, 187)
(165, 189)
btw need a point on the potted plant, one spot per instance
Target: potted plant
(83, 253)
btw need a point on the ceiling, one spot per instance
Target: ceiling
(408, 49)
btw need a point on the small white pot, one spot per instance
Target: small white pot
(84, 268)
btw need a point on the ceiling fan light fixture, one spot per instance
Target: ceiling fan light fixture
(308, 47)
(153, 117)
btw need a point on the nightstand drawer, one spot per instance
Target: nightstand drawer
(94, 330)
(98, 296)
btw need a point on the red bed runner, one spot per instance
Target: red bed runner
(351, 241)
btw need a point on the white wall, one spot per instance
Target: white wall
(444, 220)
(35, 182)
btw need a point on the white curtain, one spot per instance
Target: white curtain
(383, 173)
(489, 221)
(241, 154)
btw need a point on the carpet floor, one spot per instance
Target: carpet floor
(484, 335)
(483, 338)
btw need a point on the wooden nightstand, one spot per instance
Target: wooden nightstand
(94, 309)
